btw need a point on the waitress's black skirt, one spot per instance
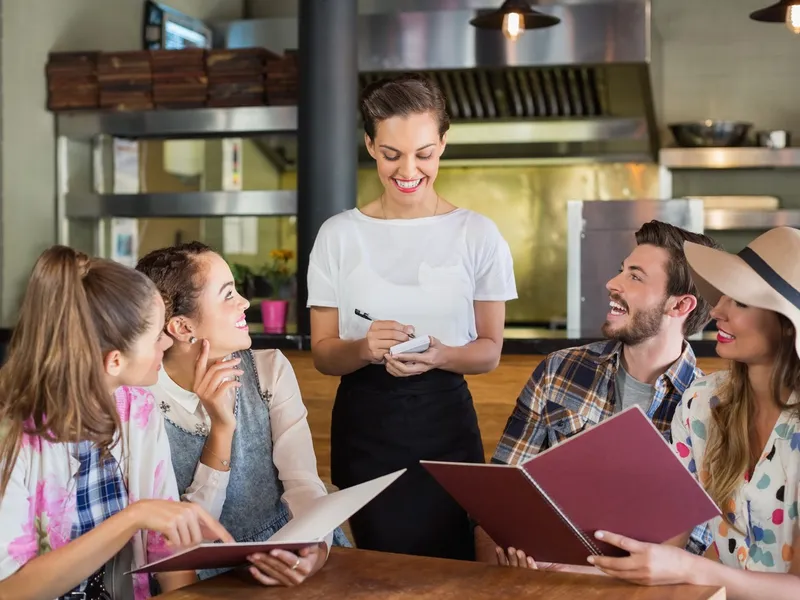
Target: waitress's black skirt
(383, 423)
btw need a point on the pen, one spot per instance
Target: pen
(364, 315)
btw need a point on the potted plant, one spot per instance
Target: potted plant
(275, 308)
(261, 285)
(243, 278)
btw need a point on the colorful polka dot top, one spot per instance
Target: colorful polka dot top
(764, 508)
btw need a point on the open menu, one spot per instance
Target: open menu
(321, 517)
(619, 476)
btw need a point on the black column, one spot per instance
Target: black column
(327, 122)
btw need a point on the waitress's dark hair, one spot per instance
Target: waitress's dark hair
(402, 96)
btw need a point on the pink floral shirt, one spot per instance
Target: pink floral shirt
(38, 509)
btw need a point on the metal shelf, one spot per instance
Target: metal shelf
(200, 122)
(729, 158)
(749, 220)
(187, 204)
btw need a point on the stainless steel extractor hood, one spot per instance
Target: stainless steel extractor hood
(583, 90)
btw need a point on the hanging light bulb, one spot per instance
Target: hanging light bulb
(785, 11)
(793, 18)
(513, 26)
(513, 18)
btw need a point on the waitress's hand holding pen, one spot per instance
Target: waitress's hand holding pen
(381, 336)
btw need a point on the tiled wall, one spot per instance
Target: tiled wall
(529, 206)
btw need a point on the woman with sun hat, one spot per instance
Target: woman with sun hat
(738, 430)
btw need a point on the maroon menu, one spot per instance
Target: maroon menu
(619, 476)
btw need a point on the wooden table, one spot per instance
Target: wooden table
(360, 574)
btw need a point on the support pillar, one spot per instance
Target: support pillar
(327, 159)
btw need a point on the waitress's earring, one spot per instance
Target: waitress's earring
(192, 340)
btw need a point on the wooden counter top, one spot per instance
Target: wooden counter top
(516, 339)
(494, 394)
(359, 574)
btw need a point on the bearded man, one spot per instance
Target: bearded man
(646, 360)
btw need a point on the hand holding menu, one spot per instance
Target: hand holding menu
(619, 476)
(307, 529)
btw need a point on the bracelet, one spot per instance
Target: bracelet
(225, 463)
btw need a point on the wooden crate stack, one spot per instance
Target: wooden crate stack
(281, 79)
(171, 79)
(236, 76)
(179, 78)
(72, 81)
(126, 80)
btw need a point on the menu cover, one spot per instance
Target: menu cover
(619, 476)
(321, 517)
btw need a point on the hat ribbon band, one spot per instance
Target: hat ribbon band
(768, 274)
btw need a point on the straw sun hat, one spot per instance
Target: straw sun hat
(766, 274)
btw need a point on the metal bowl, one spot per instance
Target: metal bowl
(710, 134)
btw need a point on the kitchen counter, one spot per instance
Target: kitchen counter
(517, 340)
(494, 395)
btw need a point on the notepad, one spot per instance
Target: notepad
(619, 476)
(414, 345)
(322, 516)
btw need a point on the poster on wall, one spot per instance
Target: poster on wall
(239, 234)
(125, 232)
(125, 241)
(232, 164)
(126, 166)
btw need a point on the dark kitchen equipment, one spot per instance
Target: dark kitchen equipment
(710, 134)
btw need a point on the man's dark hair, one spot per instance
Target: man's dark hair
(679, 278)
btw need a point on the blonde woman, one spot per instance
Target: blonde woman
(87, 491)
(739, 430)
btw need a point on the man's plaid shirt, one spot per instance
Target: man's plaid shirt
(574, 388)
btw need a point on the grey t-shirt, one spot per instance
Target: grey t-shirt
(630, 391)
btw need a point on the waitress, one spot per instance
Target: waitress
(415, 264)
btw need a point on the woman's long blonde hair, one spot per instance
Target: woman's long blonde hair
(53, 386)
(730, 451)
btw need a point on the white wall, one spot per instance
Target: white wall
(30, 29)
(719, 64)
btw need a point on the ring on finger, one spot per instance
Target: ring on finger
(297, 564)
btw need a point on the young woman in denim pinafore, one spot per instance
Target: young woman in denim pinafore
(240, 442)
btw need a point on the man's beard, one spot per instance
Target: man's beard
(642, 325)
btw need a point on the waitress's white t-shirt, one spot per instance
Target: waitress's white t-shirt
(423, 272)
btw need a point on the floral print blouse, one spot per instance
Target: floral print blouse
(38, 508)
(764, 508)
